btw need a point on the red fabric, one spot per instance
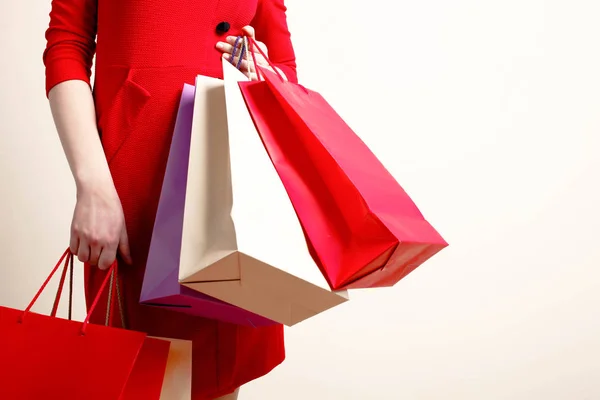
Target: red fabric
(146, 50)
(362, 228)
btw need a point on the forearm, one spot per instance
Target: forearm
(73, 110)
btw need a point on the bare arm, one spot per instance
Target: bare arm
(74, 115)
(98, 227)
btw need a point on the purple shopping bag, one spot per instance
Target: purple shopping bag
(161, 286)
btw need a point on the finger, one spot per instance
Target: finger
(261, 46)
(245, 65)
(95, 250)
(124, 249)
(229, 46)
(236, 59)
(74, 243)
(249, 31)
(83, 251)
(225, 47)
(107, 257)
(231, 40)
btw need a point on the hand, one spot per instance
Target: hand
(247, 65)
(98, 227)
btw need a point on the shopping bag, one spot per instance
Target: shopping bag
(149, 371)
(147, 376)
(161, 287)
(363, 229)
(47, 357)
(242, 242)
(177, 381)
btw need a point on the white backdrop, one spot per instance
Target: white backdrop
(486, 112)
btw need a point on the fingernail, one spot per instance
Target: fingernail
(220, 45)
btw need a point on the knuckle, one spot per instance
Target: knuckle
(85, 233)
(113, 241)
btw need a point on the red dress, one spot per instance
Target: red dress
(145, 50)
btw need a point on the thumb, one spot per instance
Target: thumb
(249, 31)
(124, 247)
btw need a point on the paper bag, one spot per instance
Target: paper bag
(242, 242)
(363, 229)
(161, 287)
(45, 357)
(177, 382)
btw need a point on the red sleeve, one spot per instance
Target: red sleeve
(270, 25)
(71, 41)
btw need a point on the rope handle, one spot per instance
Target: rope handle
(254, 45)
(68, 265)
(247, 48)
(114, 288)
(67, 257)
(109, 276)
(37, 295)
(242, 53)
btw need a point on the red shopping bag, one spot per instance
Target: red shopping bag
(44, 357)
(148, 373)
(361, 226)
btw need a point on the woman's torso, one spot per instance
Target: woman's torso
(160, 33)
(146, 50)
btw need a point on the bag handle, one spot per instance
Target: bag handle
(247, 48)
(68, 257)
(113, 283)
(37, 295)
(242, 52)
(69, 263)
(114, 286)
(69, 260)
(252, 46)
(109, 277)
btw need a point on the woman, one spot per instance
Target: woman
(116, 139)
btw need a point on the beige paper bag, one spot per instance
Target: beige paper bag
(242, 242)
(177, 383)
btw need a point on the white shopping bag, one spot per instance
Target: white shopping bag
(177, 384)
(242, 242)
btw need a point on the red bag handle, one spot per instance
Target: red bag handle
(251, 47)
(68, 257)
(256, 67)
(35, 298)
(68, 262)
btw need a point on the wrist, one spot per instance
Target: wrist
(93, 181)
